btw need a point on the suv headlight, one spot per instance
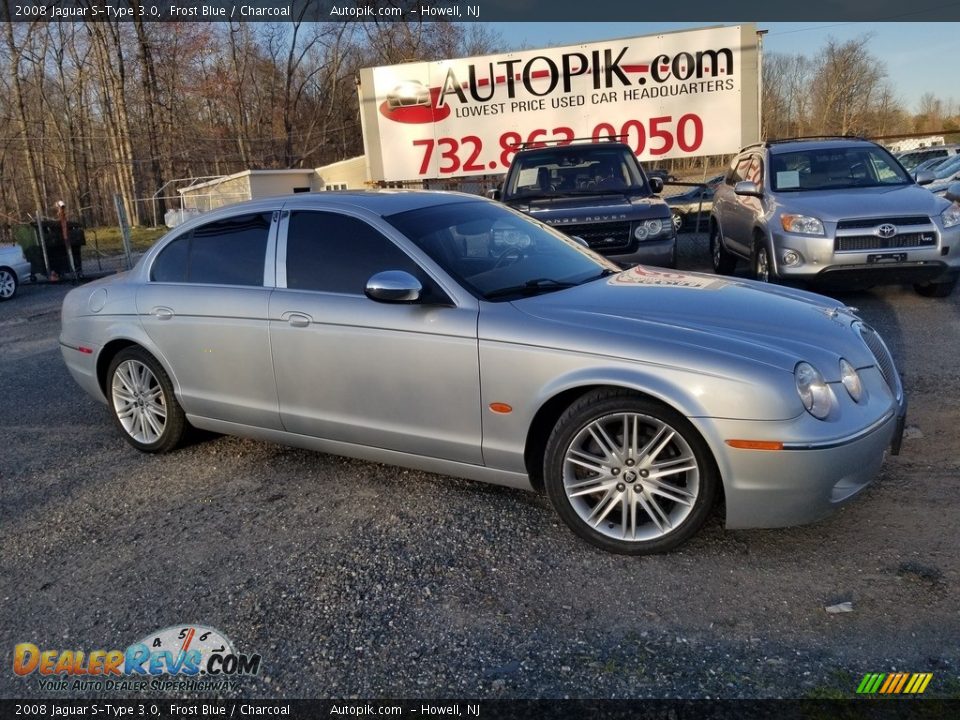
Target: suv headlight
(801, 224)
(951, 216)
(813, 390)
(649, 229)
(851, 380)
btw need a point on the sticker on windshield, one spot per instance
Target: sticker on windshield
(787, 179)
(527, 177)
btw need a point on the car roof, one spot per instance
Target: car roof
(388, 201)
(777, 148)
(575, 146)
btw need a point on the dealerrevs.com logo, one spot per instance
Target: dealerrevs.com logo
(177, 658)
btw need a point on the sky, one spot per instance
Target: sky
(919, 57)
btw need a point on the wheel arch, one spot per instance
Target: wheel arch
(106, 356)
(549, 412)
(109, 351)
(761, 235)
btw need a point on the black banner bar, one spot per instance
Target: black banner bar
(866, 709)
(474, 11)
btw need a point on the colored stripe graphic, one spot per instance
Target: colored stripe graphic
(894, 683)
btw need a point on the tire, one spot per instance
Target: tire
(760, 263)
(601, 491)
(677, 219)
(936, 290)
(8, 284)
(724, 262)
(143, 403)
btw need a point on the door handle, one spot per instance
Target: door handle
(297, 319)
(162, 313)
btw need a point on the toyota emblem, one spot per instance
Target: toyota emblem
(887, 230)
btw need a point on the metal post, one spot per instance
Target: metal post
(62, 216)
(124, 228)
(43, 245)
(760, 34)
(703, 188)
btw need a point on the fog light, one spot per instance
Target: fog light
(790, 257)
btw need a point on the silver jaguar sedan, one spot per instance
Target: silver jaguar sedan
(448, 333)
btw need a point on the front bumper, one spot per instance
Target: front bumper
(823, 464)
(766, 489)
(823, 263)
(662, 253)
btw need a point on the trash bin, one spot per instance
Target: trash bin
(25, 236)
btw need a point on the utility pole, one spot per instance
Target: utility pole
(760, 34)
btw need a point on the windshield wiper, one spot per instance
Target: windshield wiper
(531, 287)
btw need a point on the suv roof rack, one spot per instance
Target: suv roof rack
(569, 141)
(802, 138)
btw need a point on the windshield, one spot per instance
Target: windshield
(574, 170)
(836, 168)
(499, 254)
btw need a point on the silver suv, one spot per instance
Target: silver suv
(836, 211)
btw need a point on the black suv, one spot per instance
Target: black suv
(597, 192)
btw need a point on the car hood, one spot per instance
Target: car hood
(710, 314)
(683, 197)
(591, 208)
(833, 205)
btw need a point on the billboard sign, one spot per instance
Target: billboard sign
(672, 95)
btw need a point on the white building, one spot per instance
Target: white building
(348, 174)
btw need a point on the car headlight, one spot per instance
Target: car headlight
(801, 224)
(813, 390)
(851, 380)
(951, 216)
(649, 229)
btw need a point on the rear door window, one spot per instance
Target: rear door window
(226, 252)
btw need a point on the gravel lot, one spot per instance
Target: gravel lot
(355, 579)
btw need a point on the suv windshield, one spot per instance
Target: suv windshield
(835, 168)
(497, 253)
(574, 170)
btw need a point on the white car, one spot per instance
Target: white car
(14, 269)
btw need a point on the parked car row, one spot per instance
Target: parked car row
(913, 158)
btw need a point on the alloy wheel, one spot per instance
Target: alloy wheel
(139, 402)
(762, 265)
(631, 477)
(8, 284)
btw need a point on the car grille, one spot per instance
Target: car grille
(875, 222)
(883, 357)
(872, 242)
(602, 237)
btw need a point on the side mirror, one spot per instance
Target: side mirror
(953, 193)
(747, 188)
(393, 286)
(925, 177)
(656, 185)
(495, 193)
